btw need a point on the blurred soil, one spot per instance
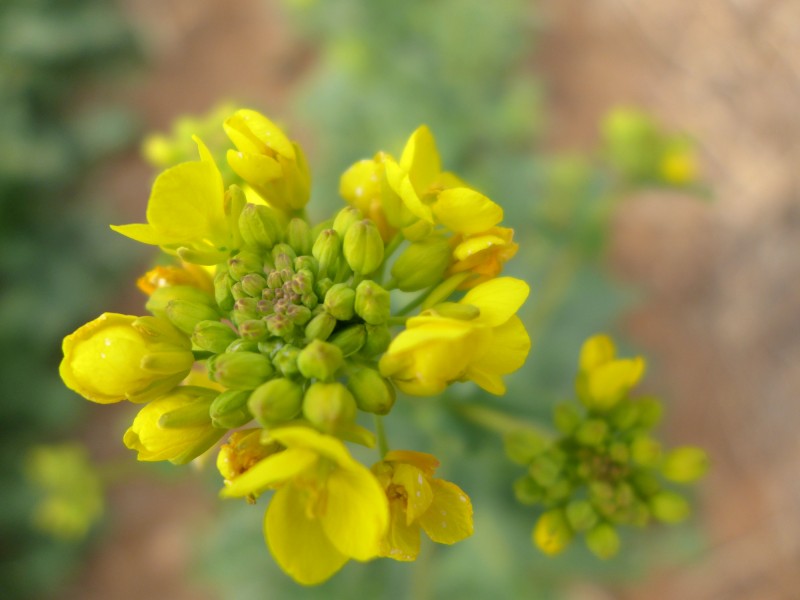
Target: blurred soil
(721, 280)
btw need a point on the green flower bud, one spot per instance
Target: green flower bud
(222, 290)
(284, 262)
(303, 282)
(567, 417)
(260, 226)
(308, 263)
(558, 492)
(592, 432)
(213, 336)
(350, 340)
(340, 302)
(241, 345)
(270, 347)
(229, 409)
(320, 327)
(372, 393)
(285, 360)
(527, 491)
(685, 465)
(327, 249)
(245, 263)
(645, 451)
(345, 218)
(245, 309)
(603, 541)
(378, 339)
(254, 329)
(372, 303)
(237, 291)
(422, 264)
(253, 284)
(240, 370)
(625, 415)
(299, 315)
(161, 297)
(276, 401)
(298, 235)
(284, 249)
(363, 247)
(280, 325)
(195, 414)
(235, 201)
(581, 515)
(552, 533)
(669, 507)
(329, 406)
(186, 315)
(544, 470)
(650, 412)
(320, 360)
(523, 445)
(646, 484)
(619, 453)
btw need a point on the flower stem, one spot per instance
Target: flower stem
(380, 431)
(415, 302)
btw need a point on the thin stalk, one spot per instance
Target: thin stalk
(380, 432)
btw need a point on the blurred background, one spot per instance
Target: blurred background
(672, 223)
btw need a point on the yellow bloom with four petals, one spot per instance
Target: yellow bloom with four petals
(419, 501)
(327, 507)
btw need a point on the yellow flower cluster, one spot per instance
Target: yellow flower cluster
(278, 333)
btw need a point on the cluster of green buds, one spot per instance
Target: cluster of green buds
(604, 469)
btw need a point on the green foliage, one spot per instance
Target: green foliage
(54, 265)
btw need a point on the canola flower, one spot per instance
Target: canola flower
(269, 334)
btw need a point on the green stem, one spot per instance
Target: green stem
(380, 432)
(415, 302)
(496, 420)
(393, 245)
(398, 320)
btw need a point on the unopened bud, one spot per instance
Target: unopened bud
(276, 401)
(685, 465)
(327, 249)
(378, 339)
(186, 315)
(372, 303)
(298, 235)
(285, 360)
(566, 417)
(241, 345)
(253, 284)
(244, 263)
(422, 264)
(345, 218)
(306, 262)
(254, 329)
(372, 393)
(260, 226)
(222, 290)
(340, 302)
(213, 336)
(329, 406)
(552, 533)
(527, 491)
(245, 309)
(581, 515)
(240, 370)
(350, 340)
(544, 470)
(363, 247)
(650, 412)
(523, 445)
(603, 541)
(195, 414)
(592, 432)
(303, 282)
(645, 451)
(161, 297)
(669, 507)
(298, 314)
(229, 409)
(320, 360)
(322, 286)
(279, 325)
(320, 327)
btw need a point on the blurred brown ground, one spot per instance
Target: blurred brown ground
(721, 310)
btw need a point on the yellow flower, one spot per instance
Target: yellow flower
(435, 350)
(678, 165)
(482, 254)
(364, 186)
(267, 160)
(241, 452)
(175, 427)
(185, 209)
(417, 500)
(118, 357)
(603, 380)
(186, 274)
(327, 507)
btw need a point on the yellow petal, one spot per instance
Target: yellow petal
(428, 463)
(449, 518)
(294, 436)
(402, 540)
(507, 348)
(475, 245)
(255, 169)
(498, 299)
(419, 494)
(487, 380)
(420, 159)
(400, 182)
(466, 211)
(144, 233)
(298, 543)
(607, 383)
(270, 471)
(596, 351)
(259, 131)
(356, 512)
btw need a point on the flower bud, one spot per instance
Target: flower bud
(229, 409)
(244, 263)
(253, 284)
(298, 314)
(213, 336)
(350, 340)
(603, 541)
(161, 297)
(320, 327)
(235, 201)
(372, 393)
(276, 401)
(650, 412)
(421, 265)
(340, 302)
(327, 249)
(280, 325)
(186, 315)
(527, 491)
(193, 414)
(298, 235)
(240, 370)
(245, 309)
(523, 445)
(241, 345)
(260, 226)
(363, 247)
(322, 286)
(580, 515)
(645, 451)
(592, 432)
(685, 465)
(345, 218)
(552, 533)
(303, 282)
(378, 339)
(222, 290)
(329, 406)
(566, 417)
(287, 255)
(669, 507)
(255, 330)
(544, 470)
(372, 303)
(308, 263)
(320, 360)
(285, 360)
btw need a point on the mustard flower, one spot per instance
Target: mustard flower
(485, 341)
(327, 507)
(482, 254)
(419, 501)
(603, 380)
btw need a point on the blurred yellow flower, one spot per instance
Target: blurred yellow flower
(435, 350)
(118, 357)
(603, 380)
(268, 161)
(327, 508)
(364, 186)
(186, 274)
(418, 501)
